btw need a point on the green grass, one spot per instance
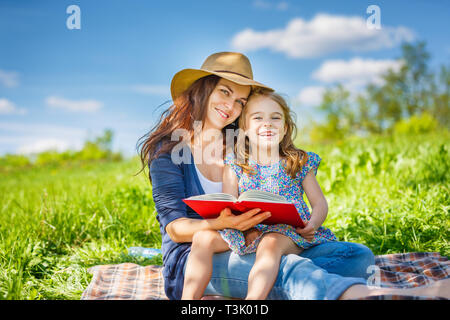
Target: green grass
(391, 194)
(56, 223)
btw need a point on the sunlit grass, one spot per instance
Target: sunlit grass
(391, 194)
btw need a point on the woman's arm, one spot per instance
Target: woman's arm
(183, 229)
(168, 192)
(319, 206)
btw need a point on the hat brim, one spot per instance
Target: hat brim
(183, 79)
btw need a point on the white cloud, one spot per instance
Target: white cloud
(9, 79)
(159, 90)
(311, 95)
(41, 145)
(74, 105)
(8, 107)
(322, 35)
(356, 72)
(353, 74)
(42, 129)
(282, 6)
(267, 5)
(36, 137)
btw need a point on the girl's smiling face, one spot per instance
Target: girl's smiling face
(264, 122)
(225, 104)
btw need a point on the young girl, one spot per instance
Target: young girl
(267, 161)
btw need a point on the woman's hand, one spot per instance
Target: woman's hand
(240, 222)
(308, 231)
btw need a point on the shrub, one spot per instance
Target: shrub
(417, 124)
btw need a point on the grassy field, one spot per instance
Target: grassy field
(391, 194)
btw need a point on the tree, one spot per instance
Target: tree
(405, 92)
(408, 96)
(441, 97)
(100, 147)
(105, 141)
(340, 118)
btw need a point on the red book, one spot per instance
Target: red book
(282, 212)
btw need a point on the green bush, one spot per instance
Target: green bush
(417, 124)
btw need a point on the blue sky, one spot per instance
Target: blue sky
(60, 86)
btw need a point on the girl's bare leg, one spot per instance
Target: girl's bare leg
(199, 264)
(439, 288)
(267, 263)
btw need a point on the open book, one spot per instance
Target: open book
(282, 212)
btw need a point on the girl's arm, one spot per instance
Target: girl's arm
(318, 204)
(230, 181)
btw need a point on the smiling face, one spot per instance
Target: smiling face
(264, 122)
(225, 104)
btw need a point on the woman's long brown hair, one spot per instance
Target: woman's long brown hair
(190, 106)
(294, 158)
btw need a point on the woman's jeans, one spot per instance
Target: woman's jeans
(322, 272)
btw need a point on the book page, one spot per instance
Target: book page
(263, 196)
(214, 197)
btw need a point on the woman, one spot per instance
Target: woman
(207, 101)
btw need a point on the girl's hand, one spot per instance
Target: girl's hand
(308, 231)
(240, 222)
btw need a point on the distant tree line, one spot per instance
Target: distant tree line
(411, 100)
(97, 149)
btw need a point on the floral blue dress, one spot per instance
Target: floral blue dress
(275, 179)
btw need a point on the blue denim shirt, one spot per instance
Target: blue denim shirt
(171, 183)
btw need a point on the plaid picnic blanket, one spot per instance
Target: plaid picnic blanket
(128, 281)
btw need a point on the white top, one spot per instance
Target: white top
(208, 185)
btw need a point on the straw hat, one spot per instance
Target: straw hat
(232, 66)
